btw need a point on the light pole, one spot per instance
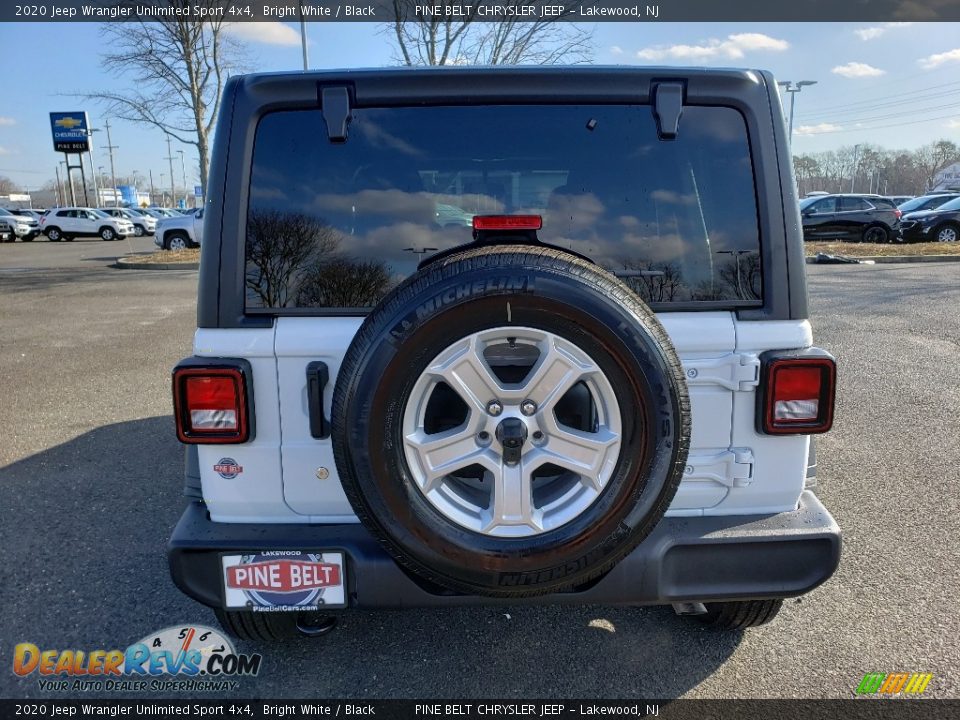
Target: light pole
(183, 169)
(73, 193)
(736, 254)
(60, 193)
(173, 192)
(303, 37)
(793, 89)
(113, 173)
(96, 187)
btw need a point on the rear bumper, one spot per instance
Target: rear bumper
(684, 559)
(915, 234)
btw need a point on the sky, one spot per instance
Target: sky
(893, 85)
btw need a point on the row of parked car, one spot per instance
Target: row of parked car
(881, 219)
(172, 229)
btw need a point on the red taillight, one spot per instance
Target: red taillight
(898, 213)
(210, 405)
(798, 395)
(507, 222)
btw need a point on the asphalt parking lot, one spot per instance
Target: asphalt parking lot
(90, 481)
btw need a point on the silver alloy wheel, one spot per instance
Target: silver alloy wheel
(947, 234)
(139, 231)
(559, 471)
(177, 242)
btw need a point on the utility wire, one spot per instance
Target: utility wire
(880, 127)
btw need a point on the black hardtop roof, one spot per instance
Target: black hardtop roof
(474, 71)
(476, 84)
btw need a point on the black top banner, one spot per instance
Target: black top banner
(311, 709)
(483, 10)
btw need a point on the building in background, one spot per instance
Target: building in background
(947, 179)
(16, 201)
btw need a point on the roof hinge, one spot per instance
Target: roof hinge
(667, 108)
(335, 103)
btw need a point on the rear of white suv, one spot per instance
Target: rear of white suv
(429, 372)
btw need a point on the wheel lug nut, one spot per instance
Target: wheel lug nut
(538, 435)
(528, 407)
(494, 408)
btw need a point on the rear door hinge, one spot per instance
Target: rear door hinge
(732, 468)
(335, 105)
(667, 107)
(736, 371)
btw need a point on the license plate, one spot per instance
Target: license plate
(279, 581)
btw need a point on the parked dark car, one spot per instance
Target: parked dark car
(927, 202)
(854, 218)
(898, 200)
(939, 225)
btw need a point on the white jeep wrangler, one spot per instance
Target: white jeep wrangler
(529, 335)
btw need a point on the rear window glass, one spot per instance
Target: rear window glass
(848, 204)
(337, 225)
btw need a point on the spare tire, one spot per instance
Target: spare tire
(510, 421)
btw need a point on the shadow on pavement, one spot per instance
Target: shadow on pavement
(86, 524)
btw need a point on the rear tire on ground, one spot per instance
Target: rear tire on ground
(583, 494)
(139, 230)
(739, 615)
(107, 234)
(176, 241)
(267, 627)
(947, 233)
(876, 234)
(53, 234)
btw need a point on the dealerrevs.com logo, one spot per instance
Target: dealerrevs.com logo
(179, 658)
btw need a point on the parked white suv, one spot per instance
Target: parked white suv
(142, 224)
(73, 222)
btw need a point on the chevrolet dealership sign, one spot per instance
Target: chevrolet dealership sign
(70, 132)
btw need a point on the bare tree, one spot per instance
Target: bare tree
(894, 171)
(653, 282)
(178, 67)
(448, 39)
(281, 247)
(8, 186)
(344, 282)
(932, 158)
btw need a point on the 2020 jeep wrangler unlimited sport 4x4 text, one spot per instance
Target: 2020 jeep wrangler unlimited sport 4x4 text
(501, 336)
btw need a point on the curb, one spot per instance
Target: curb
(120, 264)
(880, 259)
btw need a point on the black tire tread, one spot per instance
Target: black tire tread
(542, 258)
(740, 615)
(941, 226)
(258, 627)
(877, 226)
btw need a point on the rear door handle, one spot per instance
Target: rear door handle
(318, 375)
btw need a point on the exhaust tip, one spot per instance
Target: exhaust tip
(310, 625)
